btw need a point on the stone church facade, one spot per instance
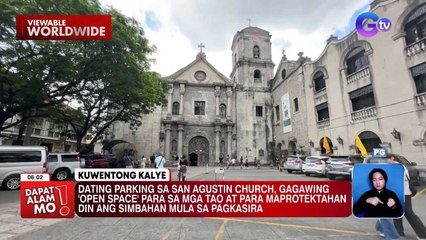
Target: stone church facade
(210, 116)
(371, 87)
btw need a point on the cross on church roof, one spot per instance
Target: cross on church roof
(249, 20)
(201, 46)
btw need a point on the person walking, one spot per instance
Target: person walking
(410, 215)
(160, 161)
(128, 159)
(221, 160)
(227, 161)
(233, 162)
(386, 229)
(241, 162)
(152, 159)
(183, 163)
(143, 163)
(136, 163)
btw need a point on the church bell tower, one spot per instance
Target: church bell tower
(252, 69)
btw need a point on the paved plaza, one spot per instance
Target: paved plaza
(13, 227)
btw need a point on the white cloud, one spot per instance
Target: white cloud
(304, 25)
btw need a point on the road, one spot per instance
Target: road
(13, 227)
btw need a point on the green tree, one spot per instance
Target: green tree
(107, 81)
(120, 86)
(36, 74)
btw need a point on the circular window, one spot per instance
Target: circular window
(283, 73)
(200, 75)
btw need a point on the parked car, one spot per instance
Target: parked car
(412, 170)
(294, 163)
(98, 161)
(315, 165)
(62, 165)
(15, 160)
(342, 166)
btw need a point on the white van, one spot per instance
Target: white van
(61, 165)
(15, 160)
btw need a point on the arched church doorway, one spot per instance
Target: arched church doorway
(292, 148)
(330, 143)
(198, 149)
(370, 140)
(193, 159)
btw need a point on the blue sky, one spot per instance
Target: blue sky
(351, 24)
(151, 21)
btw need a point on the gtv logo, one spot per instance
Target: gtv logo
(383, 24)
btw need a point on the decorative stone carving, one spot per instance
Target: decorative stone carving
(261, 153)
(419, 142)
(182, 89)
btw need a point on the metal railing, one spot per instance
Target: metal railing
(416, 48)
(421, 99)
(364, 113)
(362, 73)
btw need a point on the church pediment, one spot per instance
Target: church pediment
(200, 71)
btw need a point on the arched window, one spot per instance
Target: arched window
(319, 81)
(356, 60)
(256, 51)
(370, 140)
(419, 75)
(415, 26)
(222, 110)
(175, 109)
(256, 74)
(283, 74)
(330, 143)
(174, 146)
(222, 147)
(292, 147)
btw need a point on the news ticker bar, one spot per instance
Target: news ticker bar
(150, 193)
(214, 199)
(120, 175)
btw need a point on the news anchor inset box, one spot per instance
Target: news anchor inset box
(378, 190)
(63, 27)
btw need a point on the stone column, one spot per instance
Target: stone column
(180, 140)
(182, 92)
(170, 102)
(217, 95)
(229, 130)
(168, 130)
(217, 146)
(228, 107)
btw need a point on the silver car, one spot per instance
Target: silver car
(342, 166)
(15, 160)
(315, 165)
(294, 163)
